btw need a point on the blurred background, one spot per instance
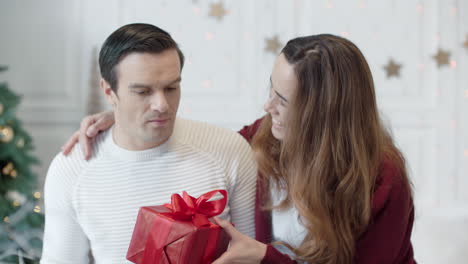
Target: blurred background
(417, 50)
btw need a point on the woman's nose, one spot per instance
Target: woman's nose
(269, 105)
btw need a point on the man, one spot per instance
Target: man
(146, 156)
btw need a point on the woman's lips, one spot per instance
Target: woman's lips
(276, 124)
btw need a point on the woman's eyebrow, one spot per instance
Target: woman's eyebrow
(278, 94)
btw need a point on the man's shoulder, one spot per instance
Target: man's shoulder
(62, 176)
(64, 171)
(75, 161)
(209, 137)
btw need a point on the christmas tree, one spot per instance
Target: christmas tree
(21, 219)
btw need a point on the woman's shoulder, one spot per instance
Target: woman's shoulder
(392, 186)
(249, 131)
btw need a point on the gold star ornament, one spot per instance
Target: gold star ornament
(392, 68)
(217, 11)
(442, 57)
(273, 45)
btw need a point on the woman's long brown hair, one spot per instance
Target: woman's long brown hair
(335, 142)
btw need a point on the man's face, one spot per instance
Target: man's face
(147, 98)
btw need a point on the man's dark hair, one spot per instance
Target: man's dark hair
(131, 38)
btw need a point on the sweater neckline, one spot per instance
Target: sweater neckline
(119, 152)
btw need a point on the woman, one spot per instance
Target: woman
(329, 161)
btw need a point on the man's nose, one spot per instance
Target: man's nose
(159, 102)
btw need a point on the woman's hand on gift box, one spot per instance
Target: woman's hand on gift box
(243, 249)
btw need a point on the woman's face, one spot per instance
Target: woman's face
(283, 83)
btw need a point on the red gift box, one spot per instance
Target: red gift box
(179, 232)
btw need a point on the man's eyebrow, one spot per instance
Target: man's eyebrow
(139, 85)
(176, 81)
(278, 94)
(146, 86)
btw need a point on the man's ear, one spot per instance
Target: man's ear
(108, 92)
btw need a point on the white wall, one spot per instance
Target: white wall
(51, 47)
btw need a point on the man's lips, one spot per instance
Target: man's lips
(159, 121)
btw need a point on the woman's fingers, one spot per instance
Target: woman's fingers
(231, 230)
(89, 128)
(102, 121)
(85, 141)
(243, 249)
(66, 149)
(224, 258)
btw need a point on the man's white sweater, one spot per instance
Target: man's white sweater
(93, 205)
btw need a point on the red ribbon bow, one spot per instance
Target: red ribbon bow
(196, 210)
